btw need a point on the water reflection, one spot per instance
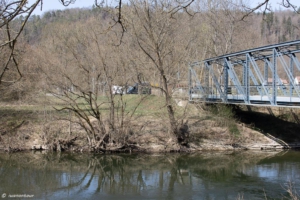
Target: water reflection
(248, 175)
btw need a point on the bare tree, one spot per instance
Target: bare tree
(223, 25)
(80, 65)
(157, 35)
(9, 10)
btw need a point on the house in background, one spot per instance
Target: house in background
(297, 80)
(282, 81)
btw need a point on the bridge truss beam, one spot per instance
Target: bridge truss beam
(268, 75)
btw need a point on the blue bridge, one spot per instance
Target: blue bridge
(268, 75)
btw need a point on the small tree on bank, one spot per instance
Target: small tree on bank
(80, 65)
(158, 35)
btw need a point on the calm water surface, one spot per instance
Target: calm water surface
(229, 175)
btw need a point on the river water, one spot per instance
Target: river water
(209, 175)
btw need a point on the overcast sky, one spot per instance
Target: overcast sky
(56, 5)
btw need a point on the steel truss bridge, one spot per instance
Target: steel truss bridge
(265, 75)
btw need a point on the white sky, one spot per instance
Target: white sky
(56, 5)
(275, 3)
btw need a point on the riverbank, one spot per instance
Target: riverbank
(32, 127)
(204, 134)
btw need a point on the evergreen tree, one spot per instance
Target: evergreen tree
(289, 27)
(270, 21)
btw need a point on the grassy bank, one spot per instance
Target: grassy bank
(210, 127)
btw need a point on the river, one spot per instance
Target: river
(206, 175)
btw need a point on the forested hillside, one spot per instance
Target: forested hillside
(209, 33)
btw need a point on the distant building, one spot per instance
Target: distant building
(282, 81)
(297, 80)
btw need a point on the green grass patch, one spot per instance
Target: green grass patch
(149, 105)
(233, 129)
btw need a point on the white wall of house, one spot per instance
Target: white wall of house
(297, 80)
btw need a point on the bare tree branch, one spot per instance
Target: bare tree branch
(7, 14)
(182, 5)
(288, 4)
(265, 5)
(67, 3)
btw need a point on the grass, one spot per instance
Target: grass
(224, 116)
(45, 108)
(144, 105)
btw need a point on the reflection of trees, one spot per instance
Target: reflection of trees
(165, 175)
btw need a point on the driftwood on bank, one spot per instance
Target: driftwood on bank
(60, 145)
(118, 148)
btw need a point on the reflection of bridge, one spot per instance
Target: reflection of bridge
(266, 75)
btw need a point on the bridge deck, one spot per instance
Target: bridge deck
(257, 100)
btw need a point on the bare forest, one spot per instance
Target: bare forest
(58, 73)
